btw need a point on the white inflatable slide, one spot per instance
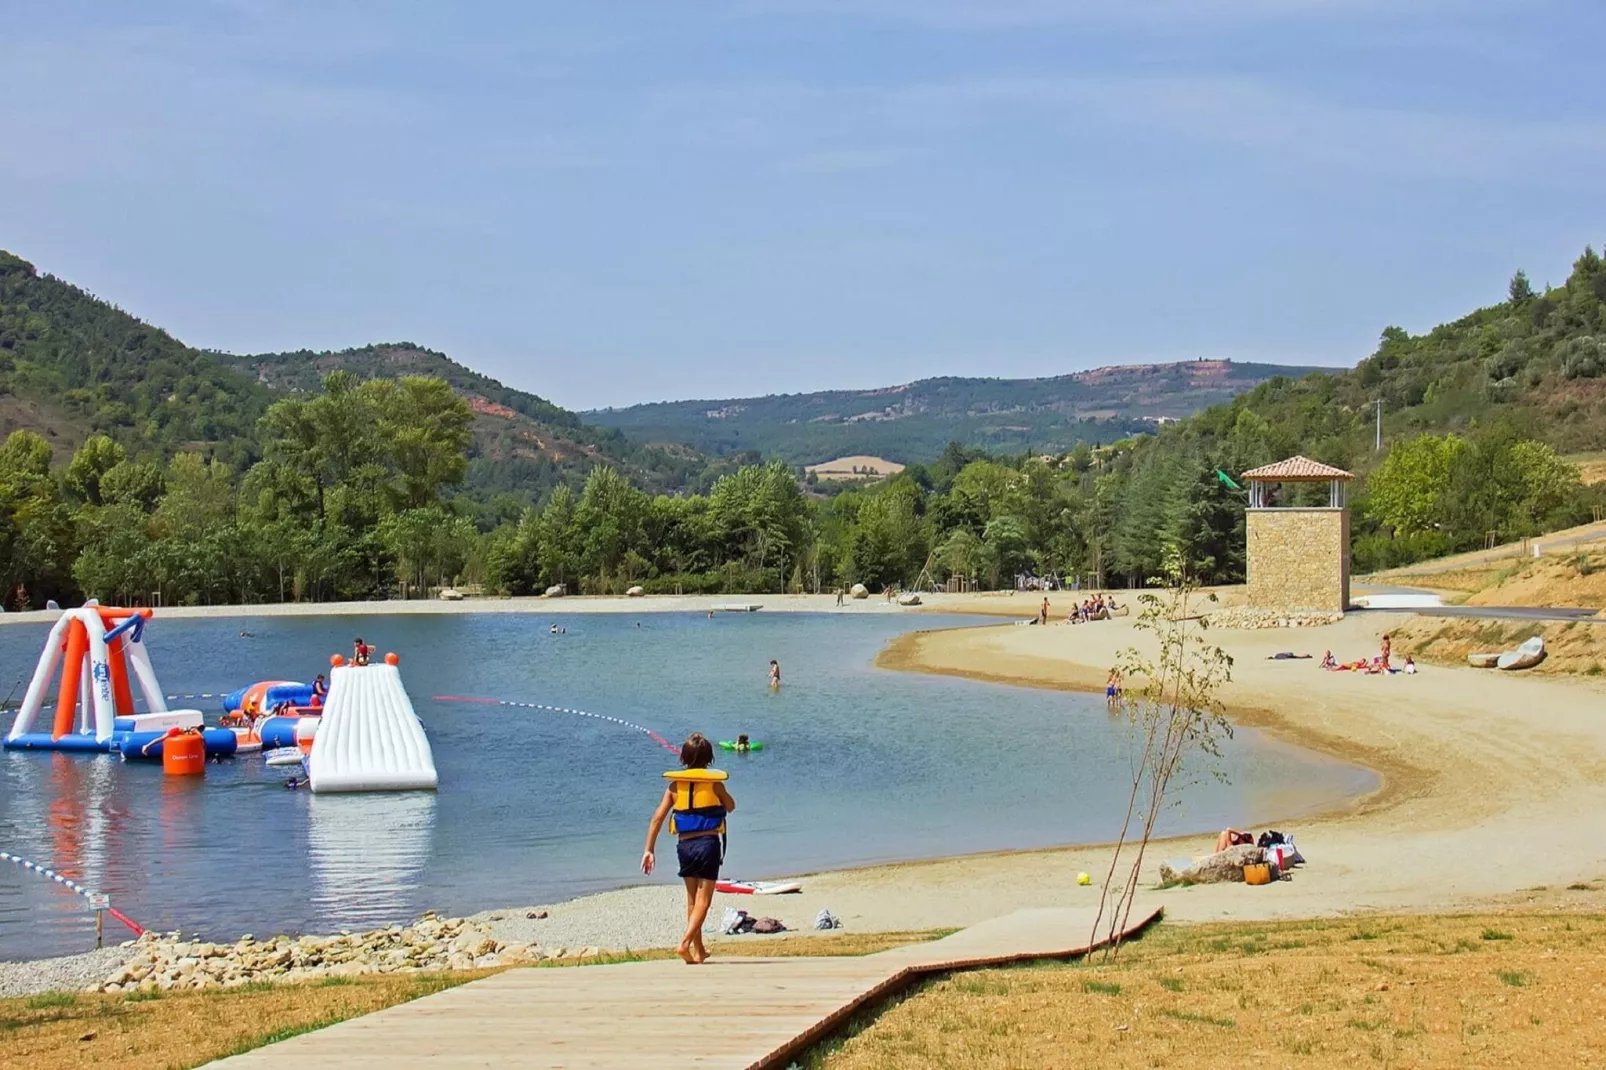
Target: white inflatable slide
(369, 738)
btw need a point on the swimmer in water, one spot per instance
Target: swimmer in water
(742, 745)
(245, 635)
(775, 673)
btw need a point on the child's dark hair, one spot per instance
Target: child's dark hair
(697, 752)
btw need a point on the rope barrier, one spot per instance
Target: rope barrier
(70, 885)
(643, 729)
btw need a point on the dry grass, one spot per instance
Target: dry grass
(66, 1030)
(1572, 648)
(61, 1031)
(1448, 990)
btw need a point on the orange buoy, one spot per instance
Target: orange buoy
(184, 753)
(392, 659)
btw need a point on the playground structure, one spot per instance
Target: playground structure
(369, 738)
(100, 652)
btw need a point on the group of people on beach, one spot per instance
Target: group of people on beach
(1089, 609)
(1379, 665)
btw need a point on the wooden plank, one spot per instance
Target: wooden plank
(730, 1012)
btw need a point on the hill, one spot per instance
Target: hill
(1534, 364)
(914, 422)
(72, 365)
(523, 444)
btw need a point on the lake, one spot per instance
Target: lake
(860, 766)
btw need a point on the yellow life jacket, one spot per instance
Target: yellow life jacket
(697, 806)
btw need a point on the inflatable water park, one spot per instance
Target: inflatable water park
(363, 736)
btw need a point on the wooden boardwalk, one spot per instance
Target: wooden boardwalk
(730, 1012)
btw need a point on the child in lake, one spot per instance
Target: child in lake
(696, 803)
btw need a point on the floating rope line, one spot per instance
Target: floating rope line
(70, 885)
(205, 694)
(643, 729)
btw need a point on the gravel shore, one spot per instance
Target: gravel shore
(70, 973)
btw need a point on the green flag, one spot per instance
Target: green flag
(1225, 478)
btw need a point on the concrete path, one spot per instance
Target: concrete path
(730, 1012)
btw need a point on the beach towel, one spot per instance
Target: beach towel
(769, 925)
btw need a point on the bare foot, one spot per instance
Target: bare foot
(702, 953)
(686, 956)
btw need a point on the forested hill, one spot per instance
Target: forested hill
(914, 422)
(1534, 364)
(72, 365)
(523, 444)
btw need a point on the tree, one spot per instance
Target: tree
(1407, 492)
(1170, 701)
(97, 456)
(1520, 291)
(131, 483)
(426, 431)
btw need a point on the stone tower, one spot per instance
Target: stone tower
(1298, 554)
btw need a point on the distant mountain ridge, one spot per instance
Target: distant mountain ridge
(913, 422)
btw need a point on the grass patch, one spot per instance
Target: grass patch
(47, 1000)
(1324, 992)
(1197, 1019)
(1496, 934)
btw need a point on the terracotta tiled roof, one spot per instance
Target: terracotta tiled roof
(1298, 468)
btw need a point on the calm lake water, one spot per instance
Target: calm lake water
(860, 766)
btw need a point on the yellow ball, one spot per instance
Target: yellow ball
(1083, 879)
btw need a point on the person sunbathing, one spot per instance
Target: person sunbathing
(1328, 661)
(1233, 838)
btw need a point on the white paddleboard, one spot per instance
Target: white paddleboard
(759, 887)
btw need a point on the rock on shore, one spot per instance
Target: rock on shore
(168, 962)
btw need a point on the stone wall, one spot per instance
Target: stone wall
(1298, 559)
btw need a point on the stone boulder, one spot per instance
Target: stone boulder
(1223, 866)
(635, 592)
(859, 590)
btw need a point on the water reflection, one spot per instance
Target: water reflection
(367, 854)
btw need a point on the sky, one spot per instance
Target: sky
(622, 201)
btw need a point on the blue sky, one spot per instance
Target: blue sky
(610, 202)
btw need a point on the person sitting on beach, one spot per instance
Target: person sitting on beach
(320, 690)
(1328, 661)
(1233, 838)
(700, 825)
(360, 651)
(1410, 666)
